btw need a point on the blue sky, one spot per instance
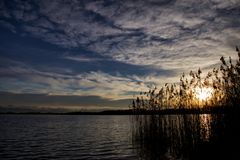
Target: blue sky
(97, 54)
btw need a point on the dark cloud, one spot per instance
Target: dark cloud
(43, 102)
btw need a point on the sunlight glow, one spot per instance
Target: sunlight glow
(203, 93)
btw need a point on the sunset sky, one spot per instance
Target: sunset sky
(84, 55)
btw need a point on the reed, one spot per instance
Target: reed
(191, 136)
(223, 82)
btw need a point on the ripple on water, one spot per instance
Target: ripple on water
(65, 137)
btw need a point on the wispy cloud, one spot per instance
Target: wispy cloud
(149, 41)
(82, 58)
(142, 32)
(25, 79)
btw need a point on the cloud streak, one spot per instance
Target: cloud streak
(107, 48)
(134, 32)
(26, 79)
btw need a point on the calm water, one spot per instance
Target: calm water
(118, 137)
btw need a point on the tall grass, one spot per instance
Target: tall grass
(224, 83)
(188, 136)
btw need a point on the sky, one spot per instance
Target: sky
(96, 55)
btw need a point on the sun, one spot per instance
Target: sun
(203, 93)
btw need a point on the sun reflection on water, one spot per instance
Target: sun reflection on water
(205, 121)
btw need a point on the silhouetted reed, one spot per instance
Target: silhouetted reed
(223, 82)
(198, 136)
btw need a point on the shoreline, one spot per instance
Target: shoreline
(217, 110)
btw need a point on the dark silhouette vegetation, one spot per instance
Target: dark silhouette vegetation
(205, 124)
(222, 85)
(188, 136)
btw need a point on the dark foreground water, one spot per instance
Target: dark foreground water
(119, 137)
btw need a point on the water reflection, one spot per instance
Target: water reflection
(205, 126)
(203, 136)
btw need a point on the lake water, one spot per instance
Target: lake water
(119, 137)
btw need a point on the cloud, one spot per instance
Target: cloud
(56, 103)
(126, 42)
(22, 78)
(141, 33)
(82, 58)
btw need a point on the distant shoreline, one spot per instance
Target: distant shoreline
(216, 110)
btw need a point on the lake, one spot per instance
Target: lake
(203, 136)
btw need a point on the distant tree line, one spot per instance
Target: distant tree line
(224, 83)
